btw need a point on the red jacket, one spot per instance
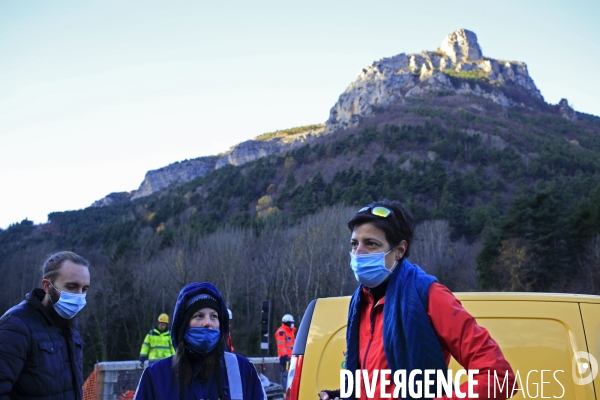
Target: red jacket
(459, 335)
(284, 336)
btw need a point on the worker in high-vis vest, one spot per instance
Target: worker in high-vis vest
(285, 336)
(157, 344)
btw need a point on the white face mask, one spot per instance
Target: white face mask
(69, 304)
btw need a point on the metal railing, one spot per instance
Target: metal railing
(115, 378)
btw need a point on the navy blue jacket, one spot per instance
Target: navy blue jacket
(38, 359)
(158, 382)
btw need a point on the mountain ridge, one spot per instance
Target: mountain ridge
(396, 78)
(457, 66)
(241, 153)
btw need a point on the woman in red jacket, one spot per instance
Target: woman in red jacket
(401, 319)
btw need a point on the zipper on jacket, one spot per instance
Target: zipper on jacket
(372, 321)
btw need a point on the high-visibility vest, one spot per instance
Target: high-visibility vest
(157, 345)
(284, 336)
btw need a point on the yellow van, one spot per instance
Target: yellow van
(552, 342)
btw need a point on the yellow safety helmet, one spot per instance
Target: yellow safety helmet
(163, 318)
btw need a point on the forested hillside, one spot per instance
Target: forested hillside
(505, 198)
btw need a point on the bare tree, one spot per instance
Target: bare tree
(453, 263)
(318, 262)
(23, 270)
(223, 259)
(430, 244)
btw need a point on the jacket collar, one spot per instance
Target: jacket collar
(34, 298)
(286, 328)
(377, 292)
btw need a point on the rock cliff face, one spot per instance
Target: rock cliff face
(566, 110)
(461, 46)
(113, 198)
(253, 149)
(390, 80)
(178, 172)
(185, 171)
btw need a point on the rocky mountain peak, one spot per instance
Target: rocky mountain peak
(456, 67)
(461, 46)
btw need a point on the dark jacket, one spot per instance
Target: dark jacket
(38, 359)
(158, 381)
(189, 291)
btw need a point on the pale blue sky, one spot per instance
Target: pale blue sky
(94, 94)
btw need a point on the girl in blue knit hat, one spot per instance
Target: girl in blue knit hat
(200, 368)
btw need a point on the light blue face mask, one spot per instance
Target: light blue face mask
(202, 340)
(369, 269)
(69, 304)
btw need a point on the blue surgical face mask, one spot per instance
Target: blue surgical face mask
(369, 269)
(69, 304)
(202, 340)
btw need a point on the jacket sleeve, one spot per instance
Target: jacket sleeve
(469, 343)
(145, 347)
(253, 388)
(145, 388)
(14, 345)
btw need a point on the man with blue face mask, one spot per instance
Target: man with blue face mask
(41, 351)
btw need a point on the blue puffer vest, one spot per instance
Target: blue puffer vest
(409, 340)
